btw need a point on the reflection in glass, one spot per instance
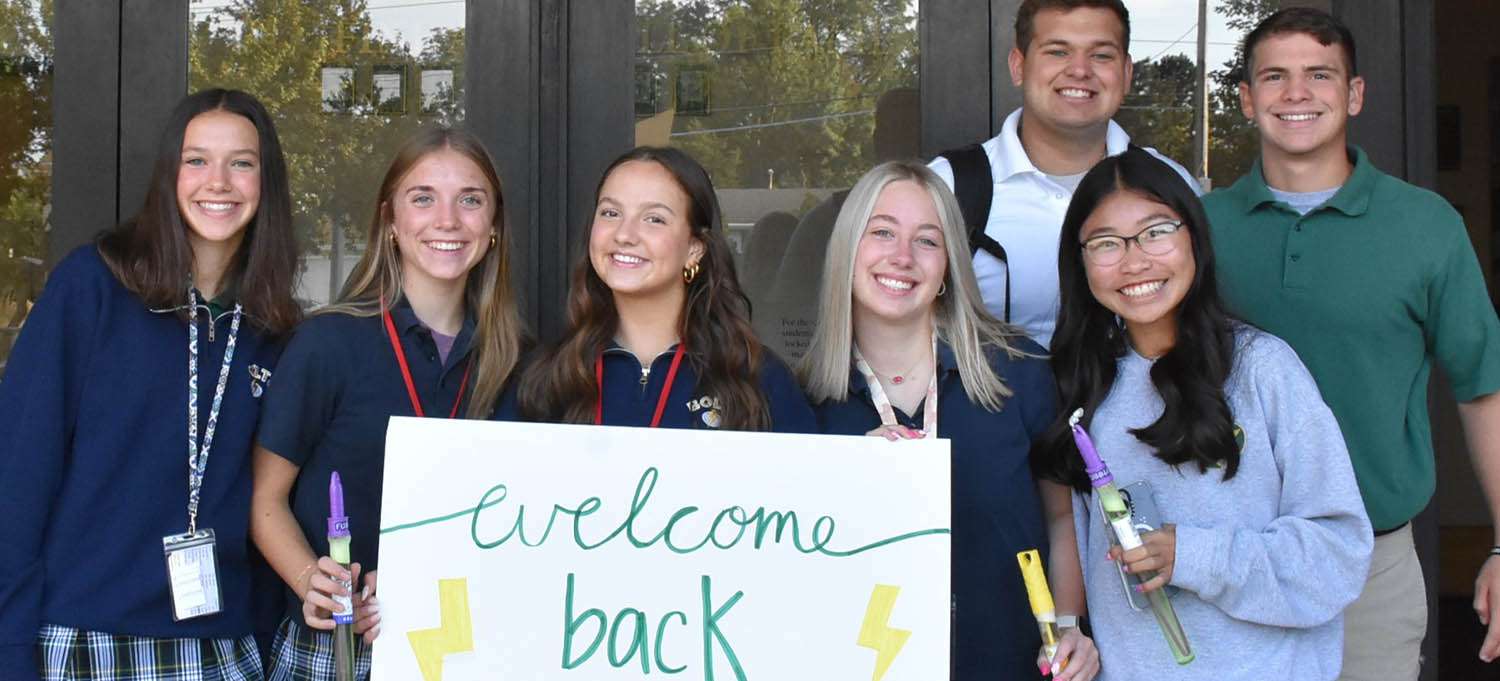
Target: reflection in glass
(338, 89)
(336, 76)
(25, 159)
(437, 90)
(1160, 110)
(786, 105)
(388, 84)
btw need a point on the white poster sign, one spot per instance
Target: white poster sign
(530, 551)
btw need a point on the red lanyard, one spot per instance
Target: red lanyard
(661, 401)
(411, 388)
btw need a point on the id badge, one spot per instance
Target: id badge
(193, 573)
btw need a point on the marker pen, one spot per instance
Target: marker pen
(1117, 515)
(1041, 604)
(338, 550)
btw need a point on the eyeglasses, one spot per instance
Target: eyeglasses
(1109, 249)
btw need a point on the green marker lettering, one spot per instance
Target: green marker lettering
(661, 631)
(741, 521)
(571, 626)
(637, 640)
(777, 524)
(711, 633)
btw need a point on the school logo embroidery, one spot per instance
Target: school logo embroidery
(711, 408)
(258, 379)
(1239, 443)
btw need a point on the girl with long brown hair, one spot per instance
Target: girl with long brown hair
(659, 328)
(187, 301)
(426, 325)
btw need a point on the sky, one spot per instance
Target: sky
(1170, 27)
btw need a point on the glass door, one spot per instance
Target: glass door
(786, 104)
(347, 83)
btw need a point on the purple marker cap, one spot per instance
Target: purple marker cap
(1098, 472)
(338, 523)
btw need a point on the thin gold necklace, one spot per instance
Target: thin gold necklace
(900, 378)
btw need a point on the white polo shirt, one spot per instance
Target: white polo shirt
(1026, 217)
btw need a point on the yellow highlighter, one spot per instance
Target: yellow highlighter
(1041, 603)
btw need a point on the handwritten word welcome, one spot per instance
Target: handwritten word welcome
(729, 527)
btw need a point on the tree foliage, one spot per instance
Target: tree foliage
(25, 157)
(1159, 111)
(792, 84)
(277, 50)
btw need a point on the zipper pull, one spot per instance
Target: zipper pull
(645, 377)
(211, 324)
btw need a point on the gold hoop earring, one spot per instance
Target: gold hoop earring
(394, 246)
(689, 273)
(492, 239)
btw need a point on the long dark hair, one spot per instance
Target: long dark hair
(714, 323)
(150, 254)
(499, 333)
(1195, 425)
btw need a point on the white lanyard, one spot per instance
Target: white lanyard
(198, 454)
(883, 402)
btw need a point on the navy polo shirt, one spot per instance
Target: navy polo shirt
(630, 395)
(336, 388)
(93, 465)
(997, 511)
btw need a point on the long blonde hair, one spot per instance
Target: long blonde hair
(962, 321)
(488, 299)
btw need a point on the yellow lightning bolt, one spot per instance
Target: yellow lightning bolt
(876, 634)
(454, 635)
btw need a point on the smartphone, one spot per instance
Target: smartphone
(1141, 501)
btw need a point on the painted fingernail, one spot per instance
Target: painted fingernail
(1042, 667)
(1140, 588)
(1054, 668)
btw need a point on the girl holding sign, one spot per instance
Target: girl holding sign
(123, 556)
(904, 349)
(1215, 424)
(660, 329)
(426, 325)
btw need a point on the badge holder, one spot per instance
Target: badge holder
(193, 573)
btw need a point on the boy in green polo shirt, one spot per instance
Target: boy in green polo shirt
(1370, 279)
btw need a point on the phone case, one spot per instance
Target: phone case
(1141, 500)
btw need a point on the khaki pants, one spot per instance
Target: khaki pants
(1384, 627)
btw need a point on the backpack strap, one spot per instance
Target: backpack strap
(974, 187)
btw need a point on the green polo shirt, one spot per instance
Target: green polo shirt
(1369, 289)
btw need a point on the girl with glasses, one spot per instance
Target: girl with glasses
(1262, 538)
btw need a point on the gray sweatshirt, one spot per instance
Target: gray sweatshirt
(1266, 562)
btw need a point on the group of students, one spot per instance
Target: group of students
(1267, 542)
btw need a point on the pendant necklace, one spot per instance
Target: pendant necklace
(898, 379)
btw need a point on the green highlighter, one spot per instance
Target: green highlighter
(1117, 515)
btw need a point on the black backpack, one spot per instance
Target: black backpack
(974, 186)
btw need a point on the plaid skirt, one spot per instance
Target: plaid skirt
(302, 653)
(69, 654)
